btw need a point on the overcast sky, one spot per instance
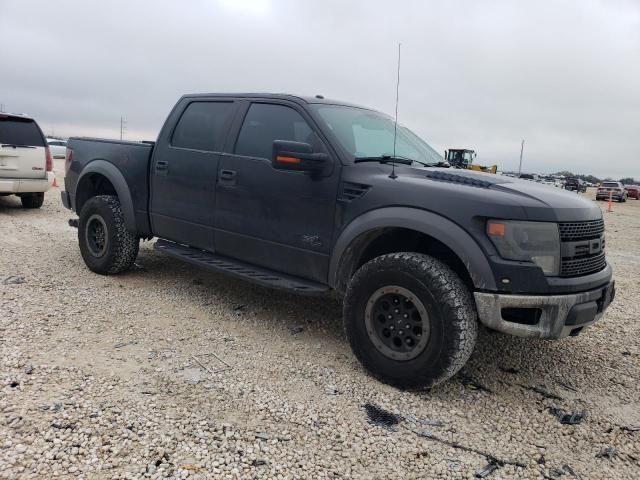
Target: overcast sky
(563, 75)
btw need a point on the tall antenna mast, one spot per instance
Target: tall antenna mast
(521, 151)
(395, 126)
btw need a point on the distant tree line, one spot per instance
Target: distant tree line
(593, 179)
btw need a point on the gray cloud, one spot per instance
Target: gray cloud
(480, 74)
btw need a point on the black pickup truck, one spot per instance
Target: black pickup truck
(311, 195)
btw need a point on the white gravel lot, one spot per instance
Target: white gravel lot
(109, 377)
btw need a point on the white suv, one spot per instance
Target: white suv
(26, 165)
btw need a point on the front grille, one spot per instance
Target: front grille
(571, 232)
(582, 266)
(579, 238)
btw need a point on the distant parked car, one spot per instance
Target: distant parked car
(575, 184)
(529, 176)
(26, 165)
(633, 191)
(615, 189)
(58, 147)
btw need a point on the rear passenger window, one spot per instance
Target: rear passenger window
(202, 126)
(20, 131)
(265, 123)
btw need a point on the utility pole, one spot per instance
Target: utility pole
(123, 127)
(521, 150)
(1, 107)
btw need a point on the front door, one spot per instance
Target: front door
(278, 219)
(184, 171)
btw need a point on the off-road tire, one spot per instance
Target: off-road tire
(32, 200)
(451, 312)
(121, 245)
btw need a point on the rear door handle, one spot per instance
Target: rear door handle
(228, 177)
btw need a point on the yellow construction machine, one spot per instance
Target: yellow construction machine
(463, 158)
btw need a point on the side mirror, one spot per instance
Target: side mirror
(297, 156)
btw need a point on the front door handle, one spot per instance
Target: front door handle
(228, 177)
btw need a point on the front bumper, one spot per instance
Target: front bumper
(544, 316)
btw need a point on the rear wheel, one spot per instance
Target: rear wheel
(107, 247)
(410, 320)
(32, 200)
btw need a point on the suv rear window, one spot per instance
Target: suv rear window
(611, 184)
(20, 131)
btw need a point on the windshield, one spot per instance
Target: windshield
(364, 133)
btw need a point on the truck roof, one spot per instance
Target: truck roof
(277, 96)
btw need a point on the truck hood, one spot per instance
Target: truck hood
(540, 202)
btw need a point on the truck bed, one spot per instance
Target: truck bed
(131, 159)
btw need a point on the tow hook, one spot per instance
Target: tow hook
(73, 222)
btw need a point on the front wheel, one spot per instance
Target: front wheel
(107, 247)
(410, 320)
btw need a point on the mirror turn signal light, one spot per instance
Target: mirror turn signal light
(288, 160)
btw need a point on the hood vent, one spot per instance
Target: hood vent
(350, 191)
(461, 179)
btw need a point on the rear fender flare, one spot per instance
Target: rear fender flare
(436, 226)
(111, 173)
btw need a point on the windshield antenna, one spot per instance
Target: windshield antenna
(395, 127)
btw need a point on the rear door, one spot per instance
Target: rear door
(22, 148)
(184, 171)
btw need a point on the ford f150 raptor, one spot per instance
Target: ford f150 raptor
(310, 195)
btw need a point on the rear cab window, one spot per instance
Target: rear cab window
(203, 126)
(20, 131)
(610, 184)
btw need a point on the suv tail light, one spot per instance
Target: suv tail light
(47, 153)
(68, 158)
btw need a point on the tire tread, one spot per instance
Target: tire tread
(454, 299)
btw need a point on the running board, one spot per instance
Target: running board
(259, 275)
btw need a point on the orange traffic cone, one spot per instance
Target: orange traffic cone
(610, 202)
(55, 180)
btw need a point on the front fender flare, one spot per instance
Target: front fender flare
(436, 226)
(111, 173)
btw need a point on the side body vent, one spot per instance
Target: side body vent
(350, 191)
(461, 179)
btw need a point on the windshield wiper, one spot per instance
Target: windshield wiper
(438, 164)
(386, 159)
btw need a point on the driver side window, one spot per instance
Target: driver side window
(265, 123)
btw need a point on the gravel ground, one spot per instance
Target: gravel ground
(127, 377)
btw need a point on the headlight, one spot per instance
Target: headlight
(537, 242)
